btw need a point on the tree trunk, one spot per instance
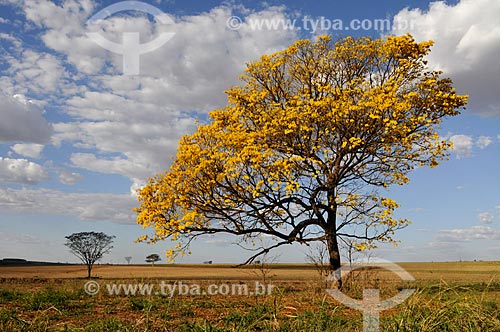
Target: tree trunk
(89, 270)
(334, 259)
(332, 243)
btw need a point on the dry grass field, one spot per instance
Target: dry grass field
(455, 296)
(167, 272)
(447, 271)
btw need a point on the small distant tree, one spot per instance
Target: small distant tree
(128, 259)
(89, 247)
(153, 258)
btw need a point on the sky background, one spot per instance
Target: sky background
(77, 137)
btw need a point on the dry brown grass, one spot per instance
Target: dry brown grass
(167, 272)
(454, 271)
(450, 296)
(451, 272)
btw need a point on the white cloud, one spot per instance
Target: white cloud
(484, 141)
(115, 165)
(138, 120)
(21, 121)
(64, 31)
(10, 2)
(31, 150)
(21, 171)
(219, 242)
(85, 206)
(69, 178)
(467, 42)
(18, 238)
(462, 145)
(8, 37)
(442, 246)
(37, 72)
(114, 124)
(485, 218)
(469, 234)
(144, 147)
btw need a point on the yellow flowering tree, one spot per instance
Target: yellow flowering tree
(303, 146)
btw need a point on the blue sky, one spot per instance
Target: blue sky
(78, 137)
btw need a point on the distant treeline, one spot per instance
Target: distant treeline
(24, 262)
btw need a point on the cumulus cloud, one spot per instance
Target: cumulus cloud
(115, 165)
(144, 147)
(469, 234)
(189, 72)
(467, 42)
(37, 72)
(134, 122)
(115, 124)
(484, 141)
(86, 206)
(63, 25)
(21, 121)
(21, 171)
(485, 218)
(31, 150)
(69, 178)
(462, 145)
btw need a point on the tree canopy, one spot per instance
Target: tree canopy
(89, 247)
(305, 147)
(153, 258)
